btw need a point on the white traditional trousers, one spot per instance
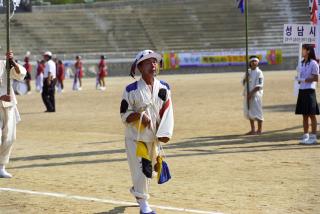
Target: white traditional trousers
(139, 180)
(8, 120)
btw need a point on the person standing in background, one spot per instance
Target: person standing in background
(60, 75)
(78, 74)
(103, 72)
(28, 68)
(49, 83)
(39, 75)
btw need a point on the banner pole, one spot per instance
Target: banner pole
(247, 54)
(8, 44)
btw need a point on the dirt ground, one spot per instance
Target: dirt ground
(79, 150)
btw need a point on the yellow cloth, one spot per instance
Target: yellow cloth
(142, 150)
(136, 124)
(158, 166)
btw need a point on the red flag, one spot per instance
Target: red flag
(313, 6)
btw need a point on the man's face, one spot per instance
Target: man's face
(45, 57)
(148, 67)
(254, 64)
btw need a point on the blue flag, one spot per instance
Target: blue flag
(240, 4)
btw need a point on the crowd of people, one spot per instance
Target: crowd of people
(60, 74)
(50, 75)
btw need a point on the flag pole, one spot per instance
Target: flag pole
(247, 52)
(8, 44)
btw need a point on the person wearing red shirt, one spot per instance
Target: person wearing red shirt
(60, 75)
(28, 68)
(103, 72)
(78, 74)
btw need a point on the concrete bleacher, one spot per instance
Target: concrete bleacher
(132, 25)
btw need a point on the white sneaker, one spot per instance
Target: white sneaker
(5, 174)
(304, 139)
(144, 206)
(312, 139)
(79, 89)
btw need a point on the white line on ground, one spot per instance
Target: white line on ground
(82, 198)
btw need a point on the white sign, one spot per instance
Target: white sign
(299, 33)
(318, 33)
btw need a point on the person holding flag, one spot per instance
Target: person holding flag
(147, 112)
(254, 112)
(9, 115)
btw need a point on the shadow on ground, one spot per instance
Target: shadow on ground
(276, 140)
(116, 210)
(281, 108)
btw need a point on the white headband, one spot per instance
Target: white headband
(254, 59)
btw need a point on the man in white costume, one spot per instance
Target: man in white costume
(146, 110)
(9, 115)
(256, 81)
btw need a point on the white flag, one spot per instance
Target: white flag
(16, 4)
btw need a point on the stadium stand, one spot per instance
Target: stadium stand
(132, 25)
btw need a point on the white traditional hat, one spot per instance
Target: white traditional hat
(254, 58)
(147, 54)
(47, 53)
(143, 55)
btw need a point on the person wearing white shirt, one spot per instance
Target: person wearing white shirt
(9, 115)
(49, 81)
(256, 81)
(147, 112)
(307, 105)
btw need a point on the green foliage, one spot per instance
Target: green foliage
(72, 1)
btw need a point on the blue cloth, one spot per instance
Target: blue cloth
(240, 4)
(165, 175)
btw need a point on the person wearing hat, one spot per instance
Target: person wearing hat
(254, 97)
(28, 68)
(9, 115)
(147, 112)
(49, 82)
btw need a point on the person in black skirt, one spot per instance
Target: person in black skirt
(307, 105)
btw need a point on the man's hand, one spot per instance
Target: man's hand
(10, 57)
(48, 81)
(6, 98)
(164, 139)
(146, 121)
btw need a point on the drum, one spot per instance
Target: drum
(20, 88)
